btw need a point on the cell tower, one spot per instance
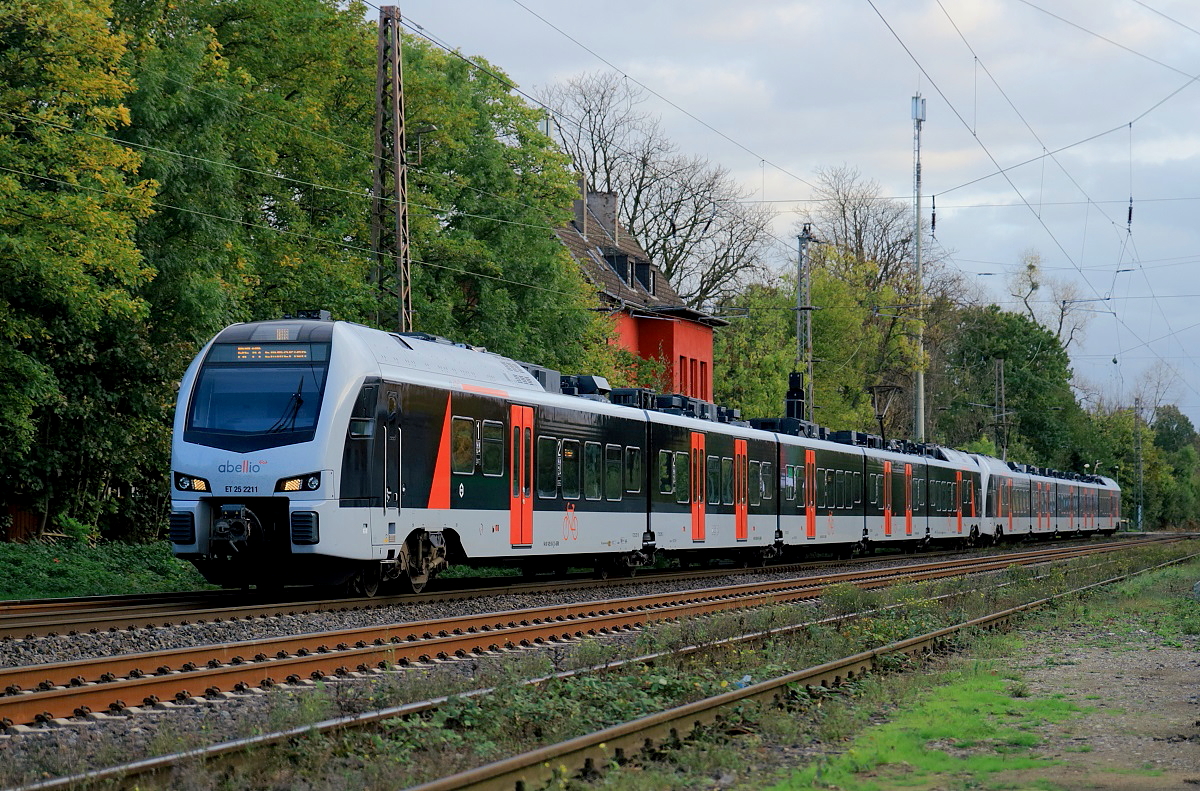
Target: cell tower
(918, 116)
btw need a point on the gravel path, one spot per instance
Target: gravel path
(1143, 692)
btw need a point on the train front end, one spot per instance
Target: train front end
(252, 475)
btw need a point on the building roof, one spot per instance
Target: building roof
(602, 246)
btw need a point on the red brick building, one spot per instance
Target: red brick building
(652, 321)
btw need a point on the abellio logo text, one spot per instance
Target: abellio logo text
(245, 466)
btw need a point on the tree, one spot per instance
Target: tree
(1051, 302)
(76, 410)
(686, 212)
(868, 242)
(1037, 376)
(1173, 431)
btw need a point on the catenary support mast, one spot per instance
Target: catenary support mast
(389, 210)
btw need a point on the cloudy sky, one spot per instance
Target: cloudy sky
(1082, 103)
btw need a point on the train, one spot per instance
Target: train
(308, 451)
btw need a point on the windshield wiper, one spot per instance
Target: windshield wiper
(287, 421)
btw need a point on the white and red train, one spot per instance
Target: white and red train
(318, 452)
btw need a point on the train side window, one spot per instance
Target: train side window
(830, 490)
(839, 489)
(683, 478)
(633, 470)
(591, 470)
(361, 427)
(570, 469)
(493, 448)
(462, 445)
(856, 497)
(727, 480)
(768, 480)
(666, 472)
(612, 472)
(714, 480)
(547, 467)
(755, 483)
(789, 483)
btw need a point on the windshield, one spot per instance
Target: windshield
(246, 402)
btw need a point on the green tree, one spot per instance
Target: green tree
(1037, 375)
(76, 410)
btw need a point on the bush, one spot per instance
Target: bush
(75, 568)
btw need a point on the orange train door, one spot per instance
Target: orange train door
(741, 491)
(958, 497)
(887, 498)
(908, 498)
(520, 505)
(698, 484)
(810, 493)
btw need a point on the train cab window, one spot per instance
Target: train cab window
(492, 457)
(462, 445)
(547, 467)
(683, 478)
(591, 470)
(571, 459)
(612, 472)
(727, 480)
(633, 470)
(755, 484)
(666, 472)
(768, 480)
(713, 470)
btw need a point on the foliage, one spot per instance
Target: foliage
(72, 568)
(78, 388)
(173, 168)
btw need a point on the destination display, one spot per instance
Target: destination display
(268, 352)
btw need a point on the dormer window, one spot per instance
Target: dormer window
(621, 264)
(645, 276)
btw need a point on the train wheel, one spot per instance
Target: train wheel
(365, 582)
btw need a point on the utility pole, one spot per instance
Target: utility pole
(918, 116)
(389, 205)
(1137, 448)
(804, 343)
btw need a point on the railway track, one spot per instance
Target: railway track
(534, 768)
(69, 616)
(45, 693)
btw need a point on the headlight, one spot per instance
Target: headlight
(190, 483)
(309, 482)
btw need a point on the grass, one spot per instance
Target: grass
(974, 724)
(72, 568)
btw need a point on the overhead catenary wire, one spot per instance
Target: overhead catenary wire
(1001, 170)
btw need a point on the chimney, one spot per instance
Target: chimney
(581, 209)
(605, 206)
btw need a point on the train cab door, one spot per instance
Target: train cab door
(698, 482)
(520, 469)
(392, 467)
(741, 491)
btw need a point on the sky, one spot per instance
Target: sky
(1043, 119)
